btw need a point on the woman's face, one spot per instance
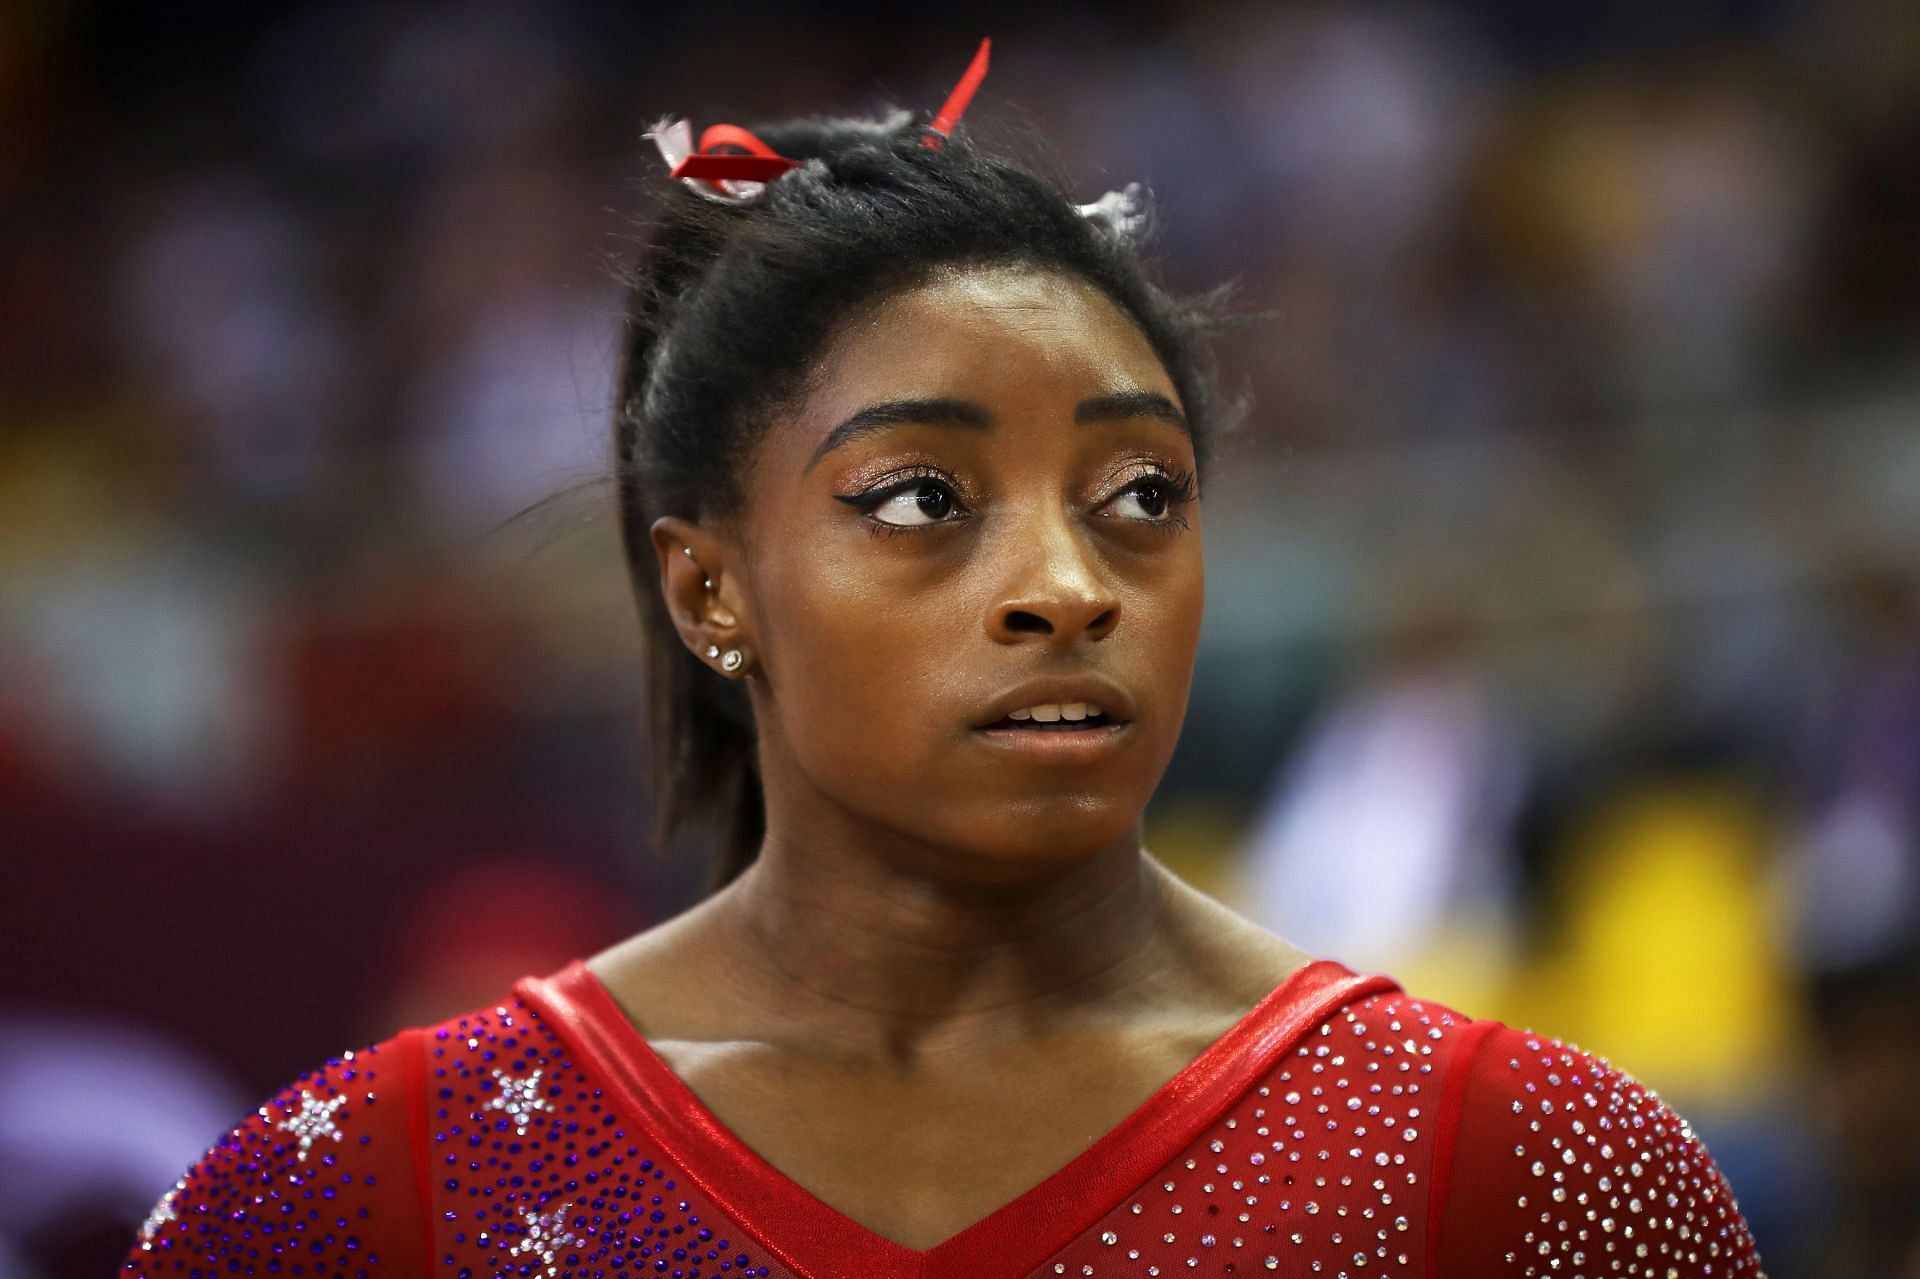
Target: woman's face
(984, 502)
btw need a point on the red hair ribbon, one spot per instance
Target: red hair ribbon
(761, 164)
(956, 104)
(740, 179)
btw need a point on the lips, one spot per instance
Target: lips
(1035, 702)
(1060, 743)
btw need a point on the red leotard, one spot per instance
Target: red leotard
(1340, 1128)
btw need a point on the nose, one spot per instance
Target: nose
(1058, 591)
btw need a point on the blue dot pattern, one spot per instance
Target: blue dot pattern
(510, 1164)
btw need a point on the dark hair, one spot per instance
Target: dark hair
(727, 305)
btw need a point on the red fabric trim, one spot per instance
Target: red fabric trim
(813, 1239)
(413, 1063)
(1447, 1131)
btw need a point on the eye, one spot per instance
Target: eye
(1154, 496)
(916, 502)
(923, 499)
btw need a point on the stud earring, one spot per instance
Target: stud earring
(707, 581)
(713, 650)
(732, 661)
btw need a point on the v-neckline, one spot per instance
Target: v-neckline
(817, 1241)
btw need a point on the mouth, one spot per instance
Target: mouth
(1071, 717)
(1007, 723)
(1062, 742)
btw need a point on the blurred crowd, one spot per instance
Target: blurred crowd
(1563, 646)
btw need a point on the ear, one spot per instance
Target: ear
(701, 585)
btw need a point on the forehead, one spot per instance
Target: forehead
(980, 330)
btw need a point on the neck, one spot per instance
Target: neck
(877, 956)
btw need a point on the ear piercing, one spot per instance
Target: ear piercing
(707, 580)
(731, 660)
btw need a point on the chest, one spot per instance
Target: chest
(917, 1156)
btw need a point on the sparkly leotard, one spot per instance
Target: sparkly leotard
(1340, 1128)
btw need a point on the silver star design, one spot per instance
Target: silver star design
(313, 1121)
(520, 1099)
(162, 1213)
(547, 1236)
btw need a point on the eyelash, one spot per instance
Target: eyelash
(1177, 486)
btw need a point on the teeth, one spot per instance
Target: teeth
(1049, 712)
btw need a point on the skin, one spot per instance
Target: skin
(947, 955)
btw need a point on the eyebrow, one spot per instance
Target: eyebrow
(966, 415)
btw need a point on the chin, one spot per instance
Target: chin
(1067, 830)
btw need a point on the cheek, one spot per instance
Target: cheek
(858, 662)
(1166, 616)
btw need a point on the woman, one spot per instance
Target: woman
(909, 453)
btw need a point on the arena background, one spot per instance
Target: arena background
(1562, 587)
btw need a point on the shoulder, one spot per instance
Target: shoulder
(321, 1170)
(335, 1173)
(1505, 1152)
(1554, 1161)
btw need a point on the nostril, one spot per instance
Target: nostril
(1021, 620)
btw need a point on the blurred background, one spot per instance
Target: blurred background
(1563, 648)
